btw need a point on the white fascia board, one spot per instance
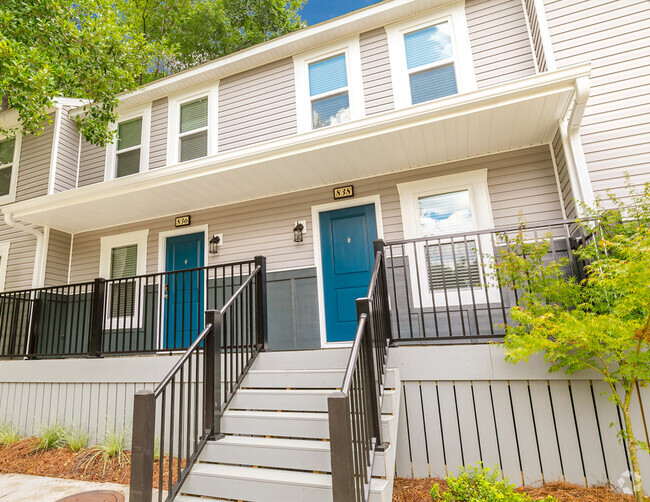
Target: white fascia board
(520, 90)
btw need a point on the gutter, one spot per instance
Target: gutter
(38, 278)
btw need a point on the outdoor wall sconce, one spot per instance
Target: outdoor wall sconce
(297, 232)
(214, 244)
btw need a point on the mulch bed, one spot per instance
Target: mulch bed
(417, 490)
(21, 458)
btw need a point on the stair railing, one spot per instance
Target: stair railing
(175, 420)
(355, 411)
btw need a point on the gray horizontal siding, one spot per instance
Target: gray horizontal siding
(615, 36)
(158, 141)
(523, 180)
(67, 154)
(92, 163)
(375, 69)
(34, 164)
(58, 258)
(22, 255)
(499, 40)
(257, 105)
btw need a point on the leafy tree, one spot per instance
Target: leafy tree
(77, 48)
(600, 323)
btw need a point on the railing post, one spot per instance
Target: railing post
(373, 374)
(32, 332)
(338, 410)
(142, 448)
(380, 245)
(212, 384)
(97, 318)
(260, 304)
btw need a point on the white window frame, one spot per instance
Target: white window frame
(4, 255)
(11, 196)
(145, 138)
(461, 50)
(107, 244)
(173, 124)
(349, 47)
(475, 182)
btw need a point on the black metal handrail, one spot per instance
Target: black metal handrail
(443, 289)
(184, 411)
(355, 411)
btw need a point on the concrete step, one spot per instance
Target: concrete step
(300, 379)
(303, 359)
(265, 485)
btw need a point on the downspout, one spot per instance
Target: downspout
(570, 132)
(38, 278)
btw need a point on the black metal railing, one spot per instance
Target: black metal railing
(443, 289)
(355, 411)
(141, 314)
(184, 411)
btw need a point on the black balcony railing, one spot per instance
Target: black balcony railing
(443, 289)
(141, 314)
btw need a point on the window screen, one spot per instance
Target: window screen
(124, 262)
(328, 91)
(194, 130)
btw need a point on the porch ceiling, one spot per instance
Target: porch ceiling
(514, 115)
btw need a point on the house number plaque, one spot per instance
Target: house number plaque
(182, 221)
(344, 192)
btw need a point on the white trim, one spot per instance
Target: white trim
(351, 48)
(476, 183)
(76, 180)
(70, 257)
(11, 196)
(110, 164)
(4, 256)
(557, 180)
(530, 35)
(462, 52)
(162, 243)
(173, 120)
(318, 260)
(55, 150)
(545, 35)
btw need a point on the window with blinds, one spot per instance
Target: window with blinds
(430, 63)
(129, 140)
(6, 164)
(124, 263)
(194, 130)
(328, 92)
(451, 263)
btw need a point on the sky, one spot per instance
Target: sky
(317, 11)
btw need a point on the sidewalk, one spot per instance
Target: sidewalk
(23, 488)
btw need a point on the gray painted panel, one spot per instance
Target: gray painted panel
(526, 433)
(416, 433)
(434, 442)
(548, 447)
(450, 427)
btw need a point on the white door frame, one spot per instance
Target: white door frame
(318, 257)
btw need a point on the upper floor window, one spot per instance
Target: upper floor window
(193, 131)
(9, 154)
(431, 57)
(328, 86)
(129, 153)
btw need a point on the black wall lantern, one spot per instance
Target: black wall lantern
(214, 244)
(297, 232)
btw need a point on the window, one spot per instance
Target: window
(328, 86)
(193, 130)
(9, 154)
(123, 256)
(129, 153)
(446, 263)
(129, 138)
(431, 57)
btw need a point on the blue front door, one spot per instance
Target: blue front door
(348, 258)
(184, 289)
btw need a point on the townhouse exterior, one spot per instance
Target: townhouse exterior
(426, 124)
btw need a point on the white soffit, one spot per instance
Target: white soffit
(516, 115)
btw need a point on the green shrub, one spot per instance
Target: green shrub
(156, 450)
(50, 437)
(8, 435)
(76, 438)
(113, 447)
(479, 484)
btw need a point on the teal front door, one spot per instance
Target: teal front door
(184, 289)
(348, 258)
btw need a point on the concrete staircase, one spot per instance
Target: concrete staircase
(276, 447)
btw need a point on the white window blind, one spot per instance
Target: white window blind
(6, 164)
(124, 262)
(129, 139)
(430, 63)
(328, 91)
(194, 129)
